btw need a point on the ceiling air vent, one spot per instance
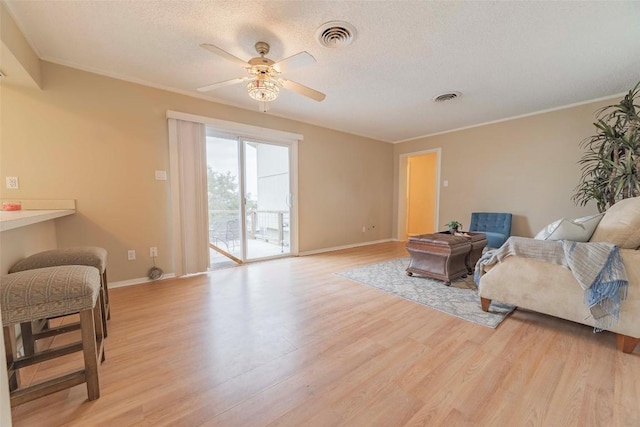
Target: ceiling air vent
(335, 34)
(449, 96)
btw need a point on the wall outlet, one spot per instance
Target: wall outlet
(153, 251)
(161, 175)
(12, 183)
(131, 255)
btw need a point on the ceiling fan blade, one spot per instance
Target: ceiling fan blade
(302, 90)
(300, 59)
(215, 49)
(223, 84)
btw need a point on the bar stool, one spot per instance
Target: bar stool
(82, 255)
(45, 293)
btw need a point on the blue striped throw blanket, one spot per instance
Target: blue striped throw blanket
(597, 267)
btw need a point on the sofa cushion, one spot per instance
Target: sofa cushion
(620, 224)
(577, 230)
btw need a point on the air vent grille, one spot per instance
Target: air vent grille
(336, 34)
(449, 96)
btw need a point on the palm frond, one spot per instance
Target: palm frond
(610, 166)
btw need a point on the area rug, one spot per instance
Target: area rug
(460, 299)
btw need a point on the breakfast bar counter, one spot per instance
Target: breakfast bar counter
(14, 219)
(30, 229)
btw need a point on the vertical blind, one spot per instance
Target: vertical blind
(187, 142)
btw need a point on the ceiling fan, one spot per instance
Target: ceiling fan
(263, 78)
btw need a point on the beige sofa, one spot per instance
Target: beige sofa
(552, 289)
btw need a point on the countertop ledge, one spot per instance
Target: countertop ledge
(16, 219)
(34, 211)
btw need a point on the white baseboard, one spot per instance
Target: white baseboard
(142, 280)
(138, 281)
(337, 248)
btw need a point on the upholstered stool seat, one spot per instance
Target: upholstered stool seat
(46, 293)
(83, 255)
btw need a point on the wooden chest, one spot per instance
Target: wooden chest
(444, 256)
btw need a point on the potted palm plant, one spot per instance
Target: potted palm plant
(611, 162)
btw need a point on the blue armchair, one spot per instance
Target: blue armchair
(497, 226)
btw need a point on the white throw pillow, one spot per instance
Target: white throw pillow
(621, 225)
(577, 230)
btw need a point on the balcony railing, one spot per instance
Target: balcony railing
(268, 226)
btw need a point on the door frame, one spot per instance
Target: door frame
(241, 140)
(241, 130)
(403, 186)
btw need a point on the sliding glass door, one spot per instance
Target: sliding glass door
(223, 186)
(249, 185)
(268, 199)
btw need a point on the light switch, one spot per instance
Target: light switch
(445, 183)
(161, 175)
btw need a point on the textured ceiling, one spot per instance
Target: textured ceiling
(507, 58)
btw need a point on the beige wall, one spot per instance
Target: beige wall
(99, 140)
(20, 242)
(526, 166)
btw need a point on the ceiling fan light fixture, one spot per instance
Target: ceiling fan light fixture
(264, 86)
(263, 90)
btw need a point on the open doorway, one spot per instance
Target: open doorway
(419, 193)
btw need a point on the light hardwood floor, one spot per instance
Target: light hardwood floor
(289, 343)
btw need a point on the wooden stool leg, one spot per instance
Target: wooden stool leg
(28, 341)
(90, 352)
(98, 317)
(103, 311)
(107, 304)
(11, 354)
